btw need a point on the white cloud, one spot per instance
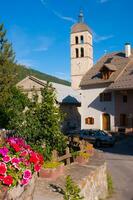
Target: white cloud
(57, 14)
(103, 1)
(98, 38)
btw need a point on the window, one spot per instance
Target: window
(125, 99)
(105, 73)
(123, 120)
(76, 40)
(106, 96)
(77, 53)
(89, 120)
(82, 52)
(81, 39)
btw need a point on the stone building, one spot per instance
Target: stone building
(68, 100)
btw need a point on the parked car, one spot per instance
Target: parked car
(97, 137)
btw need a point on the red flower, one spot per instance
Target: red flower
(3, 168)
(37, 167)
(40, 157)
(8, 180)
(33, 158)
(24, 153)
(16, 147)
(1, 178)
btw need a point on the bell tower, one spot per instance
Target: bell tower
(81, 51)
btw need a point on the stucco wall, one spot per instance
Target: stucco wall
(92, 107)
(124, 108)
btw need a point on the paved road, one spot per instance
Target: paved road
(120, 164)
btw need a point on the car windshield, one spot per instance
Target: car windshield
(103, 133)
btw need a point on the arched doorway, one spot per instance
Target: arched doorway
(106, 121)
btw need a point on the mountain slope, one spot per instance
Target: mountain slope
(22, 72)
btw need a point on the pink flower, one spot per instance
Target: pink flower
(4, 151)
(6, 159)
(15, 161)
(27, 174)
(25, 181)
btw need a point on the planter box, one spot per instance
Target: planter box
(81, 160)
(90, 152)
(20, 192)
(52, 173)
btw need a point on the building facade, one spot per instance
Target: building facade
(106, 88)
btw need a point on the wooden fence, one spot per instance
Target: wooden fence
(68, 155)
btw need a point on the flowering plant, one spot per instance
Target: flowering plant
(18, 162)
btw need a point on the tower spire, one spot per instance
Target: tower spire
(81, 17)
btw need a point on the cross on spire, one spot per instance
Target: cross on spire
(81, 17)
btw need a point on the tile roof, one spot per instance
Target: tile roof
(115, 61)
(125, 81)
(80, 27)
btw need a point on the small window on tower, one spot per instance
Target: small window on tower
(82, 52)
(77, 53)
(76, 40)
(81, 39)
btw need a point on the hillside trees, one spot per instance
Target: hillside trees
(12, 100)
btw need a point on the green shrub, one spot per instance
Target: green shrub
(51, 164)
(72, 191)
(110, 184)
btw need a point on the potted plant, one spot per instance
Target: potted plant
(52, 170)
(18, 165)
(90, 149)
(82, 158)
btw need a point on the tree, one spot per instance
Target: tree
(50, 118)
(7, 65)
(42, 122)
(12, 100)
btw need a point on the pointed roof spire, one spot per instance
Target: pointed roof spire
(81, 17)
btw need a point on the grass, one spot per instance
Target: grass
(110, 185)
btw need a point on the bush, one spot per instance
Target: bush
(72, 191)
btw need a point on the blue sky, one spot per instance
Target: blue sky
(40, 29)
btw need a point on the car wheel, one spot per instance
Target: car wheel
(98, 143)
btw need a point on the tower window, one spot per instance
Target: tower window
(82, 52)
(76, 40)
(81, 39)
(77, 53)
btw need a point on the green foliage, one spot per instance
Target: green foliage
(40, 123)
(12, 107)
(72, 191)
(52, 164)
(110, 184)
(12, 100)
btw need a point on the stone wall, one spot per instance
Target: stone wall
(21, 192)
(90, 177)
(94, 186)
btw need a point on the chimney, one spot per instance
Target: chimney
(127, 50)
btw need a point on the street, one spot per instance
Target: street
(120, 165)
